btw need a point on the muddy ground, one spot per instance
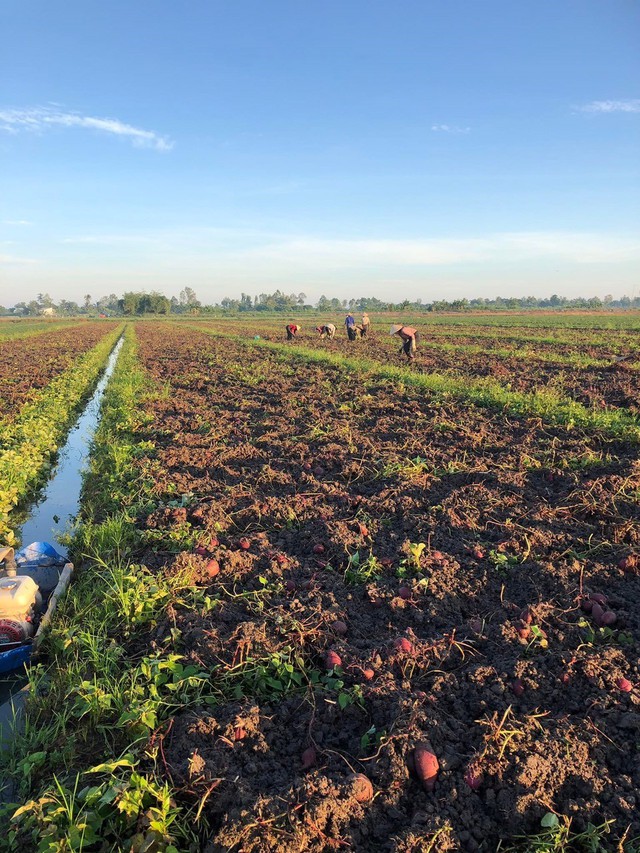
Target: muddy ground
(394, 570)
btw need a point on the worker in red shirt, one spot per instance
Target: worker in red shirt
(292, 330)
(408, 335)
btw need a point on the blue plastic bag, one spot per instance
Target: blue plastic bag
(39, 554)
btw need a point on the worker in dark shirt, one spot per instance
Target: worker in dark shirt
(350, 323)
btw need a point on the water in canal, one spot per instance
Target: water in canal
(53, 513)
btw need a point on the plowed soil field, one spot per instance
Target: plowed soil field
(398, 575)
(521, 365)
(29, 364)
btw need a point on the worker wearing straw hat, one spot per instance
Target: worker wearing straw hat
(350, 323)
(408, 335)
(292, 330)
(327, 330)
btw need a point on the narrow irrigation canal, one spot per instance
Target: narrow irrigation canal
(51, 516)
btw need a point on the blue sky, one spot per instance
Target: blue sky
(432, 149)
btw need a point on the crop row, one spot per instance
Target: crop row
(593, 382)
(28, 365)
(614, 321)
(323, 604)
(582, 341)
(596, 383)
(581, 351)
(30, 439)
(542, 402)
(12, 330)
(586, 342)
(527, 353)
(600, 386)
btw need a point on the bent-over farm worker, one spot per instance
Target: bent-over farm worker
(292, 330)
(364, 325)
(408, 335)
(328, 330)
(350, 323)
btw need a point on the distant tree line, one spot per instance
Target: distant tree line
(514, 303)
(129, 304)
(140, 303)
(277, 301)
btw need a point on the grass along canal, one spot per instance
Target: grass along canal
(47, 520)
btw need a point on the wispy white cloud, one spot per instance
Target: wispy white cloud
(39, 119)
(631, 105)
(16, 222)
(574, 248)
(244, 249)
(449, 128)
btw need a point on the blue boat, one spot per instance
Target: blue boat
(31, 584)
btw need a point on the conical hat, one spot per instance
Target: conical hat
(395, 327)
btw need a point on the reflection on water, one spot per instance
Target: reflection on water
(54, 511)
(60, 501)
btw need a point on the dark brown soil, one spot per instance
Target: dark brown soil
(29, 364)
(614, 384)
(333, 480)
